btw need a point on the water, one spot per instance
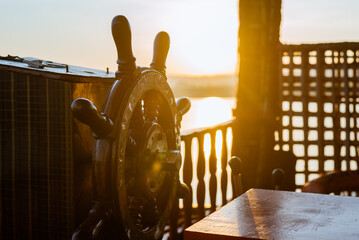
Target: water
(208, 111)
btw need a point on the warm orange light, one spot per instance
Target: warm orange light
(211, 111)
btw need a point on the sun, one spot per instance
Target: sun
(212, 111)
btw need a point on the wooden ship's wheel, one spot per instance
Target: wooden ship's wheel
(136, 158)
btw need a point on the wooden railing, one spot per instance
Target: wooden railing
(192, 211)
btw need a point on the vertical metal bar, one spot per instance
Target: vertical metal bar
(347, 109)
(2, 118)
(280, 100)
(336, 92)
(355, 103)
(28, 102)
(290, 99)
(304, 83)
(320, 81)
(48, 159)
(13, 148)
(68, 157)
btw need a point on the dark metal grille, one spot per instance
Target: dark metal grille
(36, 157)
(45, 155)
(319, 107)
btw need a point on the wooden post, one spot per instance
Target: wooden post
(257, 92)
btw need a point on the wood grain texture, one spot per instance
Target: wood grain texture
(268, 214)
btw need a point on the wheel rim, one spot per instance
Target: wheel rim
(145, 192)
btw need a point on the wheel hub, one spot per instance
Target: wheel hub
(156, 143)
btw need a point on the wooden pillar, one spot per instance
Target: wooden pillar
(257, 91)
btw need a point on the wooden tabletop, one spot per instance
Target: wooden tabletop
(268, 214)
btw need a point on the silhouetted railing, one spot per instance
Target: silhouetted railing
(197, 167)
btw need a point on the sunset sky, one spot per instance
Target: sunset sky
(203, 32)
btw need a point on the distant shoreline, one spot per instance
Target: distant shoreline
(204, 86)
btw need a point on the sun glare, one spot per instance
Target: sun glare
(211, 111)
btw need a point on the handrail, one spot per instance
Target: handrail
(205, 130)
(199, 164)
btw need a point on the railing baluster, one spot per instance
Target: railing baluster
(224, 157)
(201, 169)
(212, 170)
(187, 179)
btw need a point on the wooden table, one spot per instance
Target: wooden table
(267, 214)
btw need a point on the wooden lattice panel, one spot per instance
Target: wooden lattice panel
(319, 107)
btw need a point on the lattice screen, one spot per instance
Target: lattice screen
(320, 106)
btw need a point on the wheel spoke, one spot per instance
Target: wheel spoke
(136, 207)
(151, 107)
(151, 212)
(138, 117)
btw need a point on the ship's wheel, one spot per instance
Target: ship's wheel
(148, 157)
(136, 156)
